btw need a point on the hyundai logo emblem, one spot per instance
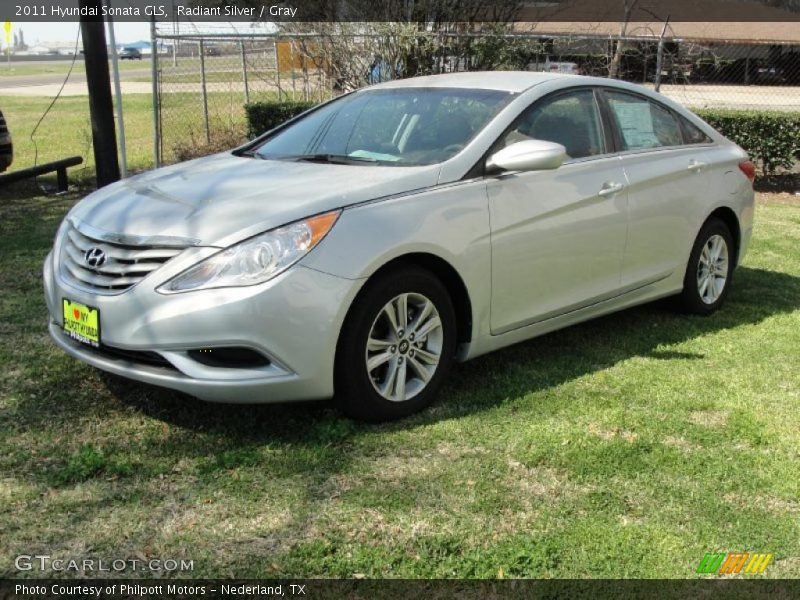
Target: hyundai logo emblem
(95, 257)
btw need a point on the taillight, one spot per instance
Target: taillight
(749, 170)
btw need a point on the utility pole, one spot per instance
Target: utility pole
(154, 84)
(123, 153)
(101, 107)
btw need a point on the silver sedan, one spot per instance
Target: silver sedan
(356, 251)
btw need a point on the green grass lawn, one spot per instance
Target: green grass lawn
(66, 131)
(624, 447)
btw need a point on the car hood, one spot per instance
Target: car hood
(221, 199)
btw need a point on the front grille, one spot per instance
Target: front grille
(123, 266)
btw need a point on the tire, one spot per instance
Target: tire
(701, 298)
(368, 379)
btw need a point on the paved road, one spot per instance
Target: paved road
(756, 97)
(132, 87)
(72, 89)
(10, 82)
(694, 96)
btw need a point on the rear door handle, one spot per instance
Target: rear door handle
(695, 165)
(610, 188)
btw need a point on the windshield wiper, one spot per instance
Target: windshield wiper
(341, 159)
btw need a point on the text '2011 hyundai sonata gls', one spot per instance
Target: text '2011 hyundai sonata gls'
(357, 250)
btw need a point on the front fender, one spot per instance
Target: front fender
(450, 222)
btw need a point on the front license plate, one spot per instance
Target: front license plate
(81, 322)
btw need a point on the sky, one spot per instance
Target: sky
(127, 32)
(44, 31)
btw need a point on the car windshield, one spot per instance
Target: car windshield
(399, 127)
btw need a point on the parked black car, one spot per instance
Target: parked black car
(130, 54)
(6, 148)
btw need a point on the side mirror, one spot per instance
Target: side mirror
(530, 155)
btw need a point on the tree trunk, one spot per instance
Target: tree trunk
(616, 60)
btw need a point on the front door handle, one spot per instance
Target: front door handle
(610, 188)
(695, 165)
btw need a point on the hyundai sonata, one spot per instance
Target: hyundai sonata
(359, 249)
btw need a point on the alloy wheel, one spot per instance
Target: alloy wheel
(712, 269)
(404, 347)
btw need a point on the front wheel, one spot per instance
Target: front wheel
(708, 274)
(396, 347)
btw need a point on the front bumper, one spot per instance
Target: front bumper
(294, 320)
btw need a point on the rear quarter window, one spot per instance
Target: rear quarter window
(692, 134)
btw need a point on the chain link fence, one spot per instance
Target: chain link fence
(204, 80)
(710, 74)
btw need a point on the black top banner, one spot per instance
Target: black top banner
(416, 11)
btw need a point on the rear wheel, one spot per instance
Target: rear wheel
(708, 274)
(396, 346)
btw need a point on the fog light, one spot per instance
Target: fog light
(231, 357)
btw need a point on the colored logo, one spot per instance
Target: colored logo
(734, 562)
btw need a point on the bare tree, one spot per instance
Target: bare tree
(790, 5)
(396, 38)
(627, 9)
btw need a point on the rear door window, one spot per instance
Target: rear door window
(642, 124)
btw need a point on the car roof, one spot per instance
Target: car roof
(509, 81)
(518, 82)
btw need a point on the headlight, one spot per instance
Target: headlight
(255, 260)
